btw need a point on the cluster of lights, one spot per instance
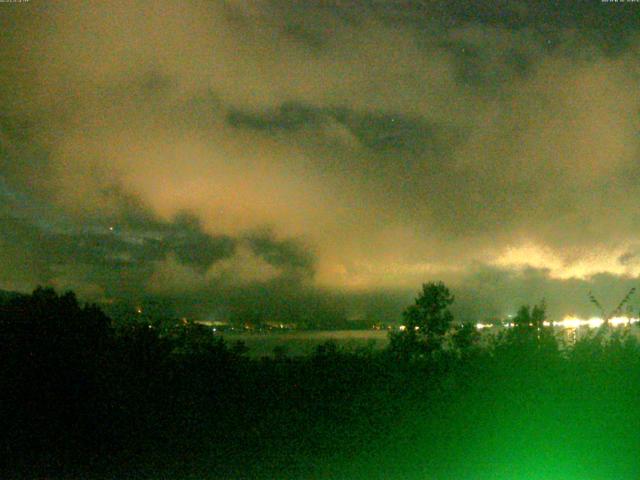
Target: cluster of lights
(593, 322)
(481, 326)
(403, 328)
(574, 322)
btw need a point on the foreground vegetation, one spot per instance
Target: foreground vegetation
(83, 398)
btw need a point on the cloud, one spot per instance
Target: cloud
(377, 146)
(491, 291)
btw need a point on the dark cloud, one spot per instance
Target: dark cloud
(593, 18)
(629, 258)
(290, 117)
(286, 254)
(119, 256)
(379, 131)
(193, 246)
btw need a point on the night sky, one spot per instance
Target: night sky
(321, 158)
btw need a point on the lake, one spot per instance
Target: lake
(305, 342)
(300, 342)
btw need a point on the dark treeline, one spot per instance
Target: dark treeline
(84, 398)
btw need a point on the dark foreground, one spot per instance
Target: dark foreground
(82, 400)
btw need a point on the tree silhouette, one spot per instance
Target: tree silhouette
(529, 331)
(426, 322)
(465, 339)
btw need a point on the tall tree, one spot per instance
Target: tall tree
(426, 321)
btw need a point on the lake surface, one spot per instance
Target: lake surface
(305, 342)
